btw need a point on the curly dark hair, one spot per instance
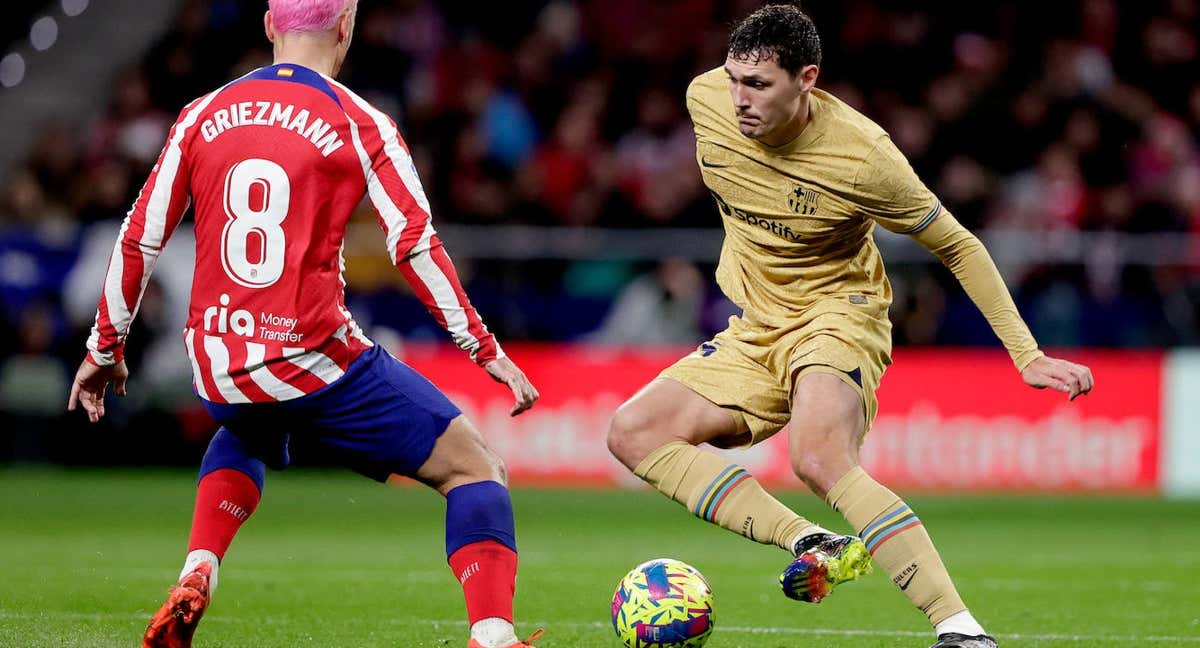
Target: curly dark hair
(777, 31)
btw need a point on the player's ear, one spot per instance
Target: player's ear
(345, 27)
(807, 76)
(269, 26)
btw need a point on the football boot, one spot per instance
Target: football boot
(824, 561)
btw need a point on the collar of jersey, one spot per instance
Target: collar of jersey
(299, 74)
(810, 134)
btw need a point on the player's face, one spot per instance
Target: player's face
(766, 98)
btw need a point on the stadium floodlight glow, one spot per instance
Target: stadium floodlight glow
(44, 33)
(12, 69)
(74, 7)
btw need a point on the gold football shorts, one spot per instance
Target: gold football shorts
(749, 369)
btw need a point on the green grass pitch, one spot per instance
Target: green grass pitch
(331, 559)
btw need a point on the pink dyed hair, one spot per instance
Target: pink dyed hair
(307, 15)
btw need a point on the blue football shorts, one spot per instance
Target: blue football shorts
(381, 417)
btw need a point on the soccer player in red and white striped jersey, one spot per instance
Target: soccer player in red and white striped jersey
(273, 164)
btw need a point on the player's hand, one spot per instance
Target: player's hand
(505, 371)
(90, 384)
(1060, 375)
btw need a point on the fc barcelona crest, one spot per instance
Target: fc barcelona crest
(803, 201)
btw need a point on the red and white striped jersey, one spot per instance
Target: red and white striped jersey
(275, 162)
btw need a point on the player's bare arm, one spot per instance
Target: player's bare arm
(91, 382)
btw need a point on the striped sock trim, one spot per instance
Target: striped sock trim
(912, 524)
(716, 491)
(708, 491)
(883, 529)
(726, 492)
(886, 519)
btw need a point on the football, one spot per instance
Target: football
(663, 603)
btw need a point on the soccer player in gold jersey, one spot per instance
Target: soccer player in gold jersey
(801, 180)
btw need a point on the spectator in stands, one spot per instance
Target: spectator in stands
(661, 307)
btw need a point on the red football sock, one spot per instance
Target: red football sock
(224, 500)
(488, 573)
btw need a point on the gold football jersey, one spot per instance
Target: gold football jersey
(798, 218)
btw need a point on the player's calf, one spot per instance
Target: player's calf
(481, 546)
(481, 549)
(897, 540)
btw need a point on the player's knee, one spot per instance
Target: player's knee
(461, 456)
(484, 464)
(498, 468)
(815, 471)
(619, 436)
(821, 453)
(630, 436)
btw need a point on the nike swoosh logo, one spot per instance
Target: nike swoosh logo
(904, 586)
(705, 162)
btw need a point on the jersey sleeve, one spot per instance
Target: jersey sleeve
(156, 213)
(963, 253)
(395, 192)
(890, 193)
(435, 281)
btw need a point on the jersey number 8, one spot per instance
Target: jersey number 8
(257, 195)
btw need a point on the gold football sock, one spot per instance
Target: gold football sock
(723, 493)
(897, 541)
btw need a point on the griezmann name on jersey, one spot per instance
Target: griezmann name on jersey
(274, 164)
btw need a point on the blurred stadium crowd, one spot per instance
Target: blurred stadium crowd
(1039, 117)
